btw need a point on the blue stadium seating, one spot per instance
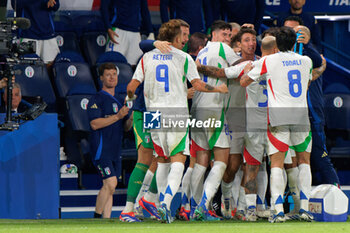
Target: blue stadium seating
(93, 45)
(337, 114)
(35, 81)
(63, 22)
(76, 107)
(111, 57)
(68, 41)
(73, 78)
(90, 22)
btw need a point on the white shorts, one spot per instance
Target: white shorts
(208, 138)
(255, 146)
(47, 50)
(236, 119)
(128, 45)
(280, 138)
(167, 144)
(288, 158)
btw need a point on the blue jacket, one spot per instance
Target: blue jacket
(244, 11)
(309, 21)
(126, 15)
(42, 27)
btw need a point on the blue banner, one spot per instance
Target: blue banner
(315, 6)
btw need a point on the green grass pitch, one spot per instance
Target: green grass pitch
(114, 225)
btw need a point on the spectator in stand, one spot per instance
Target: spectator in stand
(296, 9)
(18, 106)
(122, 21)
(41, 30)
(244, 11)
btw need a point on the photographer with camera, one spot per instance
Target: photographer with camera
(41, 31)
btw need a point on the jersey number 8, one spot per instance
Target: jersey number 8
(294, 78)
(162, 75)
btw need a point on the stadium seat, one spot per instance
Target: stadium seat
(93, 45)
(69, 56)
(34, 81)
(77, 114)
(68, 41)
(63, 22)
(337, 115)
(73, 78)
(111, 57)
(88, 23)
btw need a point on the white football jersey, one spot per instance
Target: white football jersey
(287, 75)
(165, 77)
(216, 54)
(255, 97)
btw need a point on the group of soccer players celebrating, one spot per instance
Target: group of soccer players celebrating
(261, 106)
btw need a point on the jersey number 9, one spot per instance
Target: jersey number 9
(294, 78)
(162, 75)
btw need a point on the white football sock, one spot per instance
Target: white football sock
(242, 205)
(250, 200)
(197, 182)
(162, 178)
(145, 186)
(212, 182)
(277, 188)
(226, 189)
(262, 181)
(293, 174)
(304, 184)
(129, 207)
(174, 180)
(186, 191)
(236, 187)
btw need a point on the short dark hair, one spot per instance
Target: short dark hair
(197, 39)
(243, 31)
(220, 25)
(106, 66)
(285, 39)
(272, 31)
(294, 18)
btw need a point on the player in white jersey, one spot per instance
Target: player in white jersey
(165, 92)
(255, 139)
(207, 106)
(288, 75)
(236, 115)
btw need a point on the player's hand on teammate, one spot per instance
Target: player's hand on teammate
(324, 62)
(190, 93)
(163, 46)
(248, 67)
(198, 63)
(51, 3)
(222, 88)
(112, 35)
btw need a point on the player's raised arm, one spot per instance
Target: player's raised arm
(199, 85)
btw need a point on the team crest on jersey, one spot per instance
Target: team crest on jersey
(147, 139)
(29, 71)
(151, 120)
(60, 40)
(101, 40)
(107, 171)
(84, 103)
(115, 107)
(72, 70)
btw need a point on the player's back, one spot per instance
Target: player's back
(216, 54)
(165, 78)
(288, 75)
